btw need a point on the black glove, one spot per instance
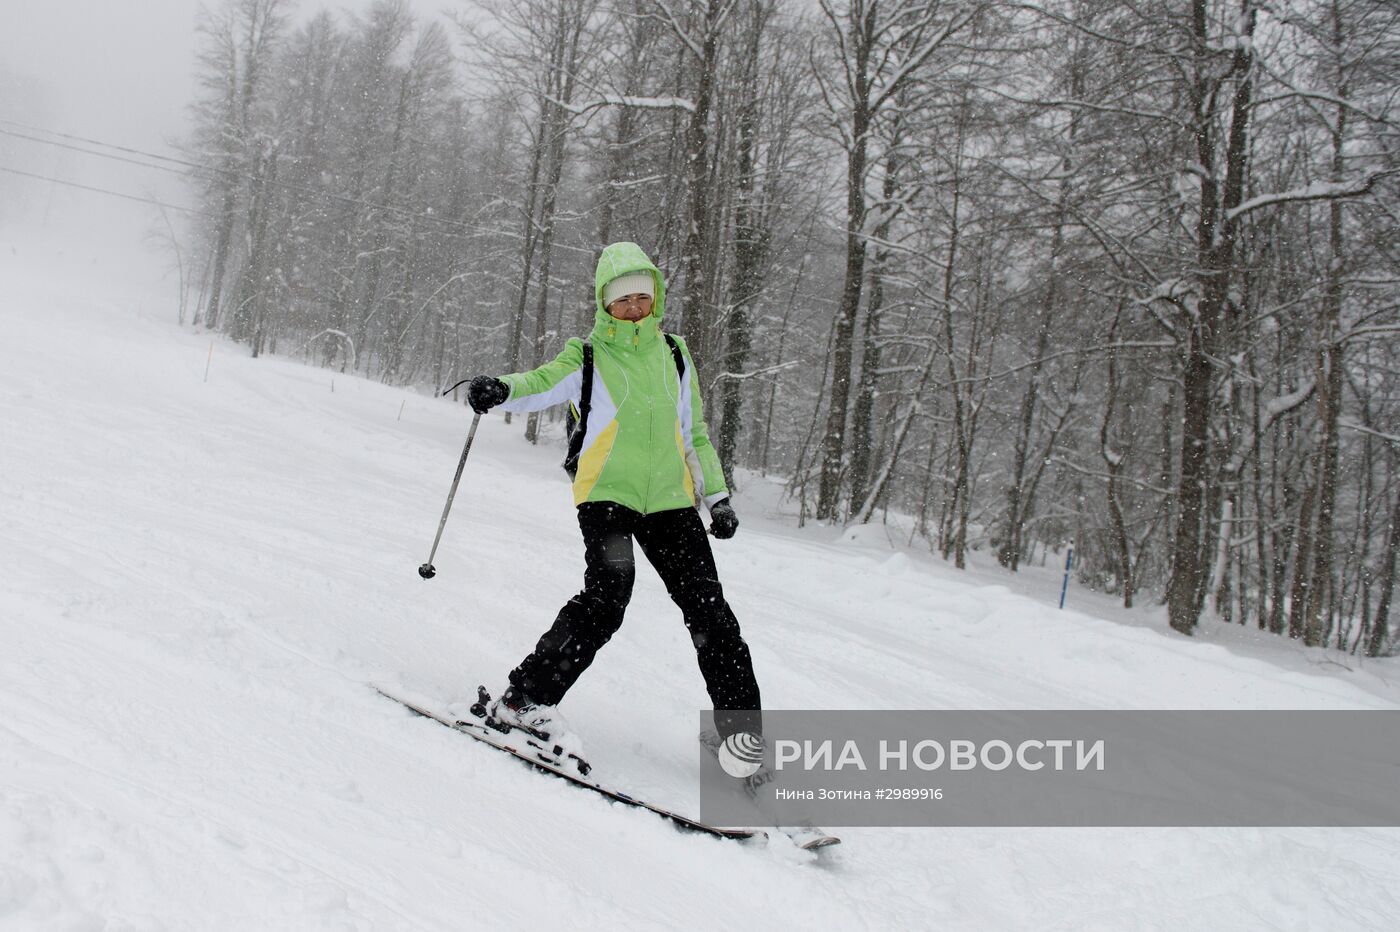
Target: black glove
(723, 521)
(485, 392)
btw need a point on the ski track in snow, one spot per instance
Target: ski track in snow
(201, 579)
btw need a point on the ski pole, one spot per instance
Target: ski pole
(427, 570)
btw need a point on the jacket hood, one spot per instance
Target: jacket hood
(625, 259)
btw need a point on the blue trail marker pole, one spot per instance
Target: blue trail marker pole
(1064, 586)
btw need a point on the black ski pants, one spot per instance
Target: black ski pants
(676, 544)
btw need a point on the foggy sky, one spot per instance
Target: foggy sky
(111, 68)
(118, 71)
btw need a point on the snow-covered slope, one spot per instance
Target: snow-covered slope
(199, 580)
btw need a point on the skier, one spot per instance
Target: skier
(643, 463)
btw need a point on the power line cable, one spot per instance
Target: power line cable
(103, 155)
(212, 170)
(96, 142)
(87, 187)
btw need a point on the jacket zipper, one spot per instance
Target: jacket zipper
(651, 440)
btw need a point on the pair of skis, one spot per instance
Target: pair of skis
(535, 750)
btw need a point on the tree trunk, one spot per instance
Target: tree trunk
(752, 236)
(252, 278)
(1009, 554)
(868, 384)
(222, 241)
(1216, 234)
(1302, 578)
(695, 320)
(553, 129)
(834, 439)
(1380, 628)
(1329, 381)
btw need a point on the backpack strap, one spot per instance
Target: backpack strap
(676, 354)
(577, 424)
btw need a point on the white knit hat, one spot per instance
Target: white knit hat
(636, 283)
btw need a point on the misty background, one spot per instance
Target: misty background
(119, 72)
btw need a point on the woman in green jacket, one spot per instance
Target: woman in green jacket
(644, 464)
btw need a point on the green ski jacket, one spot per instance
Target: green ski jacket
(646, 445)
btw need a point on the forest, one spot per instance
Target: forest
(1116, 274)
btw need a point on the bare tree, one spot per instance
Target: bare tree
(877, 49)
(238, 39)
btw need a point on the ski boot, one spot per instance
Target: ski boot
(514, 711)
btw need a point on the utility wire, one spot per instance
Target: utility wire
(102, 155)
(211, 170)
(96, 142)
(86, 187)
(214, 170)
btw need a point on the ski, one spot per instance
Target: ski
(529, 749)
(809, 837)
